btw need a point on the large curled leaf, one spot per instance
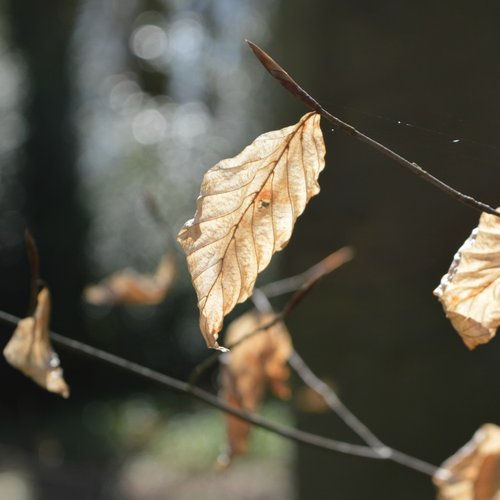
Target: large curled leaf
(470, 291)
(473, 472)
(29, 349)
(255, 363)
(246, 211)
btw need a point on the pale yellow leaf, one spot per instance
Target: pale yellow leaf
(473, 472)
(246, 211)
(253, 365)
(131, 287)
(470, 291)
(29, 349)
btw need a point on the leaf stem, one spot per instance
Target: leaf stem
(297, 91)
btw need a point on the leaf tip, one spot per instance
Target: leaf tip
(57, 385)
(266, 60)
(274, 68)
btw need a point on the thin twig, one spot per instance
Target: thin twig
(297, 91)
(333, 401)
(281, 430)
(293, 283)
(375, 449)
(315, 274)
(263, 306)
(185, 388)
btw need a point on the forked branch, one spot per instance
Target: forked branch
(202, 395)
(303, 284)
(184, 387)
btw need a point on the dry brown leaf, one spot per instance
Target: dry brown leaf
(29, 350)
(470, 291)
(131, 287)
(246, 211)
(473, 472)
(252, 365)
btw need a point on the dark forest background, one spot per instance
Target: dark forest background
(77, 153)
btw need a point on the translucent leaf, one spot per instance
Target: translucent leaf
(246, 211)
(29, 349)
(470, 291)
(131, 287)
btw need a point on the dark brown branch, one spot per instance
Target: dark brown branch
(185, 388)
(293, 283)
(34, 263)
(315, 274)
(297, 91)
(332, 400)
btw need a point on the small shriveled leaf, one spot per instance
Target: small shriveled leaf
(310, 401)
(131, 287)
(470, 291)
(473, 472)
(246, 211)
(252, 366)
(29, 350)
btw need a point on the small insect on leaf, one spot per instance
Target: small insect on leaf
(470, 291)
(473, 472)
(131, 287)
(246, 212)
(29, 349)
(253, 365)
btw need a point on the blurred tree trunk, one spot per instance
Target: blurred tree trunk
(42, 31)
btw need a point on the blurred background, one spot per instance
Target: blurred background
(104, 101)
